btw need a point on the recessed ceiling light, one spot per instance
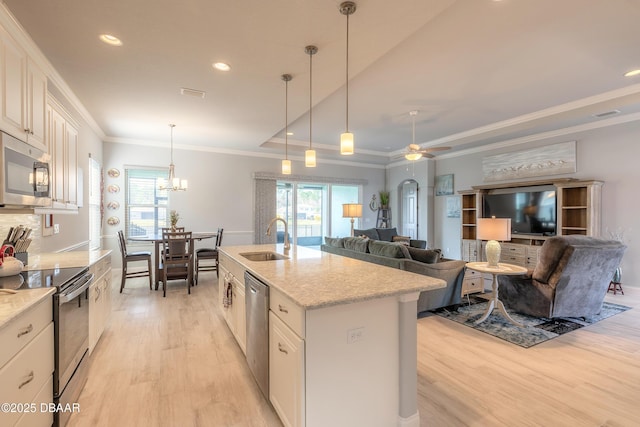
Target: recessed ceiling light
(222, 66)
(109, 39)
(632, 73)
(289, 133)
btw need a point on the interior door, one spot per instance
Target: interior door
(409, 208)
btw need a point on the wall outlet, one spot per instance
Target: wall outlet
(355, 335)
(56, 228)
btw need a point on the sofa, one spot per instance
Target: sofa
(571, 278)
(416, 260)
(388, 235)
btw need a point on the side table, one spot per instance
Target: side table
(494, 302)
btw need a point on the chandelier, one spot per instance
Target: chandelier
(174, 183)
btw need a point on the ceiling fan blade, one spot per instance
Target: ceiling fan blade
(428, 155)
(427, 150)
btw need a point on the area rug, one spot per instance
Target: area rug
(537, 330)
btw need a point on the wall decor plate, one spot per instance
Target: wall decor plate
(113, 220)
(113, 205)
(113, 173)
(113, 188)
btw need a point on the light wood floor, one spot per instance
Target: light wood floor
(173, 362)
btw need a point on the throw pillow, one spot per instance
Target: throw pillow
(388, 249)
(336, 242)
(371, 233)
(387, 234)
(405, 240)
(428, 256)
(357, 244)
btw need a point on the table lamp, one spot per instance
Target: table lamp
(352, 210)
(493, 229)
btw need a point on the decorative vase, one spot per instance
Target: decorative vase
(617, 276)
(173, 228)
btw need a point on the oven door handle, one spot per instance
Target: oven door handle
(65, 298)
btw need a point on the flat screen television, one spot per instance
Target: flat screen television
(532, 209)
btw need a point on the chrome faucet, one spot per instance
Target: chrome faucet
(287, 245)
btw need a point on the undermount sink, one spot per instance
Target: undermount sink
(263, 256)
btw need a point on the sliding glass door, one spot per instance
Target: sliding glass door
(313, 210)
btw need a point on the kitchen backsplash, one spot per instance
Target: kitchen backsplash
(8, 220)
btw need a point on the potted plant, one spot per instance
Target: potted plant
(174, 216)
(384, 199)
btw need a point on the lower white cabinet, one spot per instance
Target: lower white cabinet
(26, 374)
(286, 372)
(99, 300)
(234, 313)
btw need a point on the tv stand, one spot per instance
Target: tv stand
(578, 212)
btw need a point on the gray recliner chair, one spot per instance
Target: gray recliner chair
(571, 278)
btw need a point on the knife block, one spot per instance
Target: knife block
(22, 256)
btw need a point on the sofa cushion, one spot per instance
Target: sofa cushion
(388, 249)
(357, 244)
(405, 240)
(336, 242)
(428, 256)
(371, 233)
(387, 234)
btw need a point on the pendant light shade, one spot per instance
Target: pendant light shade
(347, 145)
(310, 154)
(286, 163)
(173, 183)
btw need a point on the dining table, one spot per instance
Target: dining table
(157, 240)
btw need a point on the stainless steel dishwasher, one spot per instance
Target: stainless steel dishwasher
(257, 305)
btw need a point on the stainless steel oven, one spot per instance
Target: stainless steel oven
(24, 174)
(71, 320)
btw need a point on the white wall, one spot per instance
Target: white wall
(220, 187)
(607, 154)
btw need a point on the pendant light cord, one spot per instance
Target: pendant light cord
(286, 119)
(310, 93)
(347, 79)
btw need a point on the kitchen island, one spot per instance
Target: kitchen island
(342, 334)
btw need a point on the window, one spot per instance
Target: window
(147, 209)
(95, 205)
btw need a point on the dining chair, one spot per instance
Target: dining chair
(128, 257)
(209, 254)
(177, 258)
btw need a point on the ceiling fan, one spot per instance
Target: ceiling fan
(414, 151)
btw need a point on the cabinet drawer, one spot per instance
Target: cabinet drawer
(512, 250)
(513, 259)
(40, 418)
(23, 377)
(473, 285)
(289, 312)
(21, 330)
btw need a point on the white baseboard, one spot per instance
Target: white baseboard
(412, 421)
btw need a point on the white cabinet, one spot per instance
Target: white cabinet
(63, 145)
(231, 284)
(26, 365)
(24, 89)
(286, 371)
(99, 300)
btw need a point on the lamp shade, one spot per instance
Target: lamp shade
(346, 143)
(310, 158)
(494, 229)
(286, 167)
(352, 210)
(413, 156)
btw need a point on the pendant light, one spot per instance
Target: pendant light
(174, 183)
(346, 139)
(286, 163)
(413, 155)
(310, 154)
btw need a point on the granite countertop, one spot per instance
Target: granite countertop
(315, 279)
(69, 259)
(12, 305)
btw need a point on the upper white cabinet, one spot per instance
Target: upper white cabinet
(62, 144)
(23, 94)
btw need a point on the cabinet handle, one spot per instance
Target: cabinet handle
(26, 330)
(282, 349)
(30, 378)
(282, 308)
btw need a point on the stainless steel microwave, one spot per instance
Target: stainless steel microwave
(24, 176)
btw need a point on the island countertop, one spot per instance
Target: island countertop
(315, 279)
